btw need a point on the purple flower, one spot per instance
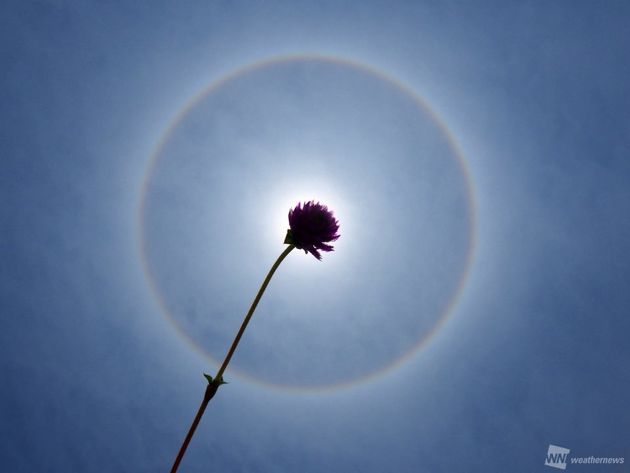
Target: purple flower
(312, 227)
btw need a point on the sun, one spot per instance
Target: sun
(288, 194)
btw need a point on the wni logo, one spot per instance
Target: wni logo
(557, 457)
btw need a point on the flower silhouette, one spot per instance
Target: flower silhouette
(312, 227)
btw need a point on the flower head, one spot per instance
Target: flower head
(312, 227)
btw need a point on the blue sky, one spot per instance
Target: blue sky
(534, 352)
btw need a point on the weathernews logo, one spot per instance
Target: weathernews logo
(558, 457)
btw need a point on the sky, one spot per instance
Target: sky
(474, 311)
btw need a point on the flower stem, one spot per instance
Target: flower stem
(212, 387)
(251, 311)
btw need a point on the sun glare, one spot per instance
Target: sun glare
(288, 195)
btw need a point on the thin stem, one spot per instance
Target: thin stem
(211, 390)
(251, 311)
(212, 387)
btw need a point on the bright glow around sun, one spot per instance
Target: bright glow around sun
(287, 195)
